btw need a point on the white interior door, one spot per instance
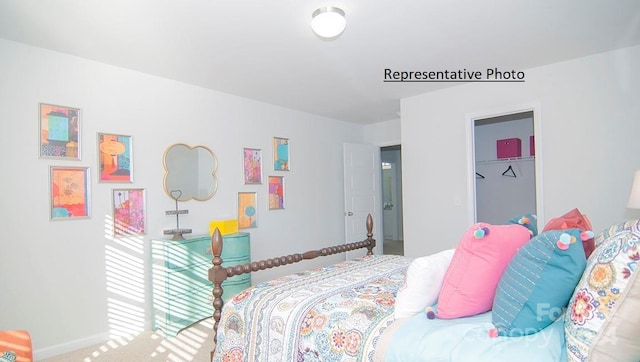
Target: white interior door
(362, 194)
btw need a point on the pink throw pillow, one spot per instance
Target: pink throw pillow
(473, 275)
(573, 219)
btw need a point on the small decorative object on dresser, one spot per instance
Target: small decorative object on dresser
(177, 232)
(181, 289)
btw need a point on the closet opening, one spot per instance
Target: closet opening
(505, 182)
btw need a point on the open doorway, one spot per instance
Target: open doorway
(391, 158)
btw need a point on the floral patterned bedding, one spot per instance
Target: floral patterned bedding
(336, 313)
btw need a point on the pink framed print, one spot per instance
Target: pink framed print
(129, 217)
(252, 165)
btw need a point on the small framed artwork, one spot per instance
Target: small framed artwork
(280, 154)
(114, 158)
(59, 132)
(247, 210)
(129, 217)
(252, 165)
(69, 190)
(276, 192)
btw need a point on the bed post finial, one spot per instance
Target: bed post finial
(369, 226)
(370, 239)
(217, 275)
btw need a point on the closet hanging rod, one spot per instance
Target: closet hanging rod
(504, 160)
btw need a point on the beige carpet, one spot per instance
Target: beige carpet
(191, 344)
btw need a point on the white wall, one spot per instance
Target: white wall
(55, 273)
(383, 133)
(590, 121)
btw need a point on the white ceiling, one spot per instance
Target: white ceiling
(265, 50)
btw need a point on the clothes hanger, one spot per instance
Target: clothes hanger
(479, 175)
(509, 172)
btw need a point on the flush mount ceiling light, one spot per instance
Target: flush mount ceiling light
(328, 22)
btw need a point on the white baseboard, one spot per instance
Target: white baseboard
(59, 349)
(67, 347)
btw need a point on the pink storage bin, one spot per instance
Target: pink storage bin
(509, 148)
(532, 146)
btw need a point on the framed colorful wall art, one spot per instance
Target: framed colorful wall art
(129, 217)
(280, 154)
(252, 165)
(59, 132)
(247, 210)
(114, 158)
(69, 192)
(276, 192)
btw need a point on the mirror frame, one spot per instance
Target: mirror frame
(213, 173)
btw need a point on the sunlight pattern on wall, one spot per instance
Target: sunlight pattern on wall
(127, 267)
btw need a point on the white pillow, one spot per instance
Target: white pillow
(422, 284)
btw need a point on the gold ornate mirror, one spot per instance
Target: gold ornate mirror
(190, 172)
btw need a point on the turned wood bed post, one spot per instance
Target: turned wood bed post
(370, 239)
(218, 274)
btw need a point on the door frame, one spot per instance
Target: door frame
(537, 130)
(396, 193)
(380, 145)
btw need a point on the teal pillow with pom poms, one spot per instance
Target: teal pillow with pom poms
(529, 221)
(536, 286)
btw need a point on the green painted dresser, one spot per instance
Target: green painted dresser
(181, 288)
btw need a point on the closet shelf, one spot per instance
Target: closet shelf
(505, 160)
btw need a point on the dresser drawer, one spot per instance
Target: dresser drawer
(185, 281)
(184, 254)
(192, 306)
(181, 311)
(182, 292)
(235, 285)
(198, 302)
(235, 246)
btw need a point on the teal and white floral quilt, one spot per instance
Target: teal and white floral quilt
(336, 313)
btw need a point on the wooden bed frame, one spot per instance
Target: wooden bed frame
(218, 274)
